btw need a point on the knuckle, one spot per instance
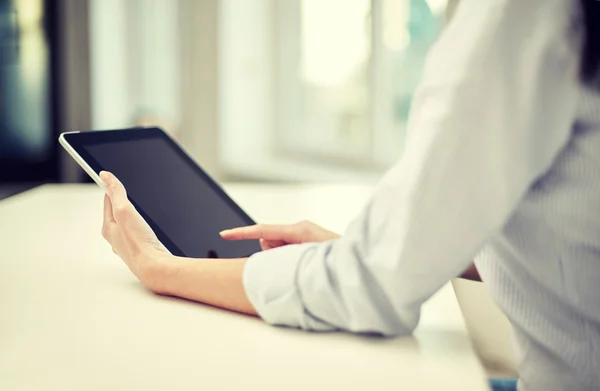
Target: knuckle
(303, 229)
(122, 210)
(258, 229)
(107, 233)
(110, 189)
(306, 223)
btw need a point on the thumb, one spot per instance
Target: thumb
(270, 244)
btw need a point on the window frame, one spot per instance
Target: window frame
(287, 29)
(385, 142)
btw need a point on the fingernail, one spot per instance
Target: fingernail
(225, 231)
(104, 176)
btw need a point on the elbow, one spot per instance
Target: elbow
(383, 330)
(384, 322)
(374, 319)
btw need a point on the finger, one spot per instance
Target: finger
(108, 231)
(250, 232)
(108, 220)
(262, 231)
(117, 194)
(263, 245)
(108, 213)
(114, 187)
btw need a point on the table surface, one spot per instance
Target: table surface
(72, 317)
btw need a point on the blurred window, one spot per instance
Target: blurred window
(346, 74)
(135, 63)
(298, 88)
(25, 120)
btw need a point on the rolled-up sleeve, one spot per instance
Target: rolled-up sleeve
(270, 285)
(495, 108)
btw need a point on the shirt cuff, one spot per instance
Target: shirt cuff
(270, 281)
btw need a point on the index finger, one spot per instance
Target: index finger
(261, 231)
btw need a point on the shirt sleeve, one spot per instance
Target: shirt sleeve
(495, 107)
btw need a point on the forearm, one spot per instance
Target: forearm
(217, 282)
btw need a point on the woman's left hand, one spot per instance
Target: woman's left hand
(218, 283)
(130, 236)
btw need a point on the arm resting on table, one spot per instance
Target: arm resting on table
(490, 116)
(217, 282)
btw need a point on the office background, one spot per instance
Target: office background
(261, 90)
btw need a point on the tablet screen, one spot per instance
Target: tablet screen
(186, 209)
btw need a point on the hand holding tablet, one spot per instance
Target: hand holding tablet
(130, 236)
(182, 205)
(164, 215)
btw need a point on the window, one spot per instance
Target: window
(135, 61)
(267, 89)
(323, 78)
(346, 72)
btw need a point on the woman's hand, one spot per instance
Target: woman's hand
(130, 236)
(272, 236)
(217, 282)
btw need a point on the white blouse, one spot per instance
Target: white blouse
(502, 166)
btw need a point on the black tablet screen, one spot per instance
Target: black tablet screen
(184, 207)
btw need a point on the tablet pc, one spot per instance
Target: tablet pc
(184, 206)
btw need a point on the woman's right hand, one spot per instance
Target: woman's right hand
(272, 236)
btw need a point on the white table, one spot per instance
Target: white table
(72, 317)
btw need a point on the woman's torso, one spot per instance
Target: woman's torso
(543, 268)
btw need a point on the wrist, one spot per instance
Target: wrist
(154, 271)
